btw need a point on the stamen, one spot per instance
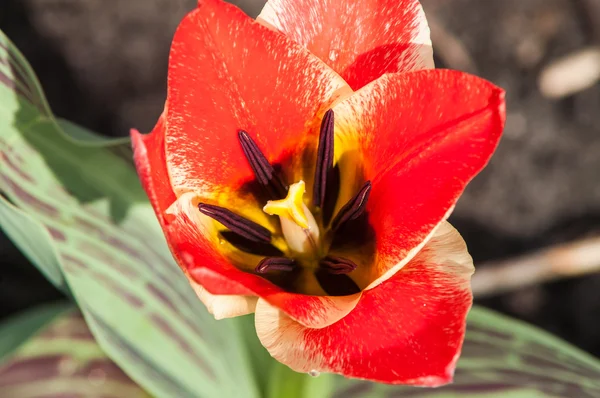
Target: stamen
(264, 172)
(275, 264)
(262, 249)
(354, 208)
(236, 223)
(337, 265)
(324, 158)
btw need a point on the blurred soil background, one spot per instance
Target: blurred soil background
(103, 64)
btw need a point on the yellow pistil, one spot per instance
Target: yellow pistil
(291, 207)
(298, 225)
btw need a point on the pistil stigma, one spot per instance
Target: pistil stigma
(291, 207)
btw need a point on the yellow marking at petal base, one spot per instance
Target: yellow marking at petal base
(291, 207)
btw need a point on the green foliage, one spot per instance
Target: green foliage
(284, 382)
(79, 213)
(62, 360)
(19, 328)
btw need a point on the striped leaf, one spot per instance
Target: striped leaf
(63, 360)
(19, 328)
(78, 212)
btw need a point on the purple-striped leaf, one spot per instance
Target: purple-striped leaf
(79, 213)
(64, 360)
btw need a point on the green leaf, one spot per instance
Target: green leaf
(34, 241)
(81, 213)
(19, 328)
(62, 360)
(17, 74)
(86, 137)
(502, 357)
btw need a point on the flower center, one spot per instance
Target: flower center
(298, 225)
(311, 243)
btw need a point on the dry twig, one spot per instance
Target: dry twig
(571, 74)
(567, 260)
(580, 69)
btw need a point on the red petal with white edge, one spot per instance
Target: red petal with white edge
(423, 136)
(149, 158)
(407, 330)
(225, 306)
(191, 244)
(360, 39)
(226, 73)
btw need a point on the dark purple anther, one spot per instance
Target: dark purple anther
(275, 264)
(264, 172)
(354, 208)
(337, 265)
(324, 159)
(236, 223)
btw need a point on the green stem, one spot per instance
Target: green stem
(285, 383)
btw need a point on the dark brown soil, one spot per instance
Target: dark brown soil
(103, 64)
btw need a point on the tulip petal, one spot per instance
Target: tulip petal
(422, 137)
(151, 166)
(149, 158)
(225, 306)
(192, 245)
(361, 40)
(407, 330)
(226, 73)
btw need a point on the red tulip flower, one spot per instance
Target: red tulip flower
(303, 169)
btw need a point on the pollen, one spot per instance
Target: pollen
(291, 207)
